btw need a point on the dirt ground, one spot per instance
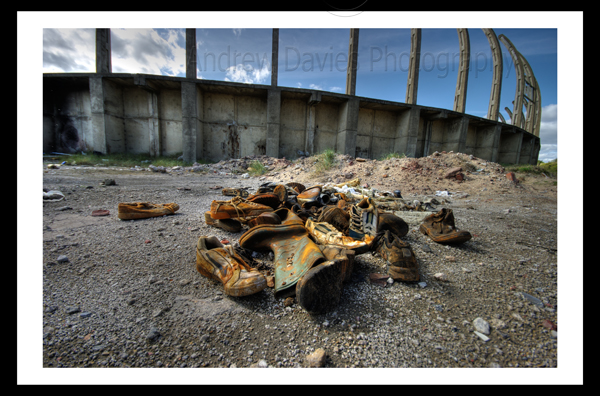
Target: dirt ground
(147, 268)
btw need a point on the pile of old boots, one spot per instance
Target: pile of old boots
(313, 235)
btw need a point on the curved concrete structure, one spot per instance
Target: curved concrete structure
(214, 120)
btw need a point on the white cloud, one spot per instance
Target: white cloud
(549, 125)
(69, 50)
(248, 74)
(237, 32)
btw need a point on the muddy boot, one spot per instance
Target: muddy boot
(402, 263)
(393, 223)
(440, 228)
(230, 225)
(294, 252)
(269, 199)
(363, 219)
(320, 289)
(221, 263)
(143, 210)
(265, 218)
(310, 197)
(237, 207)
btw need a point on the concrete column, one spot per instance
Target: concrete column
(191, 59)
(488, 141)
(315, 99)
(275, 57)
(456, 134)
(273, 122)
(413, 67)
(407, 132)
(352, 63)
(191, 103)
(460, 96)
(348, 121)
(98, 118)
(103, 51)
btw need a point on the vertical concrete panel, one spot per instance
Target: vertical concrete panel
(274, 109)
(326, 126)
(348, 125)
(170, 122)
(293, 127)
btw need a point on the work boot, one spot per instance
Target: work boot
(230, 225)
(363, 219)
(393, 223)
(237, 207)
(335, 216)
(293, 250)
(402, 263)
(143, 210)
(440, 228)
(222, 263)
(326, 234)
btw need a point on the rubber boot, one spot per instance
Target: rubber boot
(294, 251)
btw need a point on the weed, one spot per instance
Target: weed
(324, 161)
(392, 155)
(126, 160)
(256, 168)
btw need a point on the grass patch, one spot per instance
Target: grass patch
(548, 169)
(256, 168)
(391, 156)
(125, 160)
(324, 161)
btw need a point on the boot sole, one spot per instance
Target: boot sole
(320, 289)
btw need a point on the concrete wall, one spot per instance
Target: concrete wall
(146, 114)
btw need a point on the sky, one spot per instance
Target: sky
(316, 58)
(312, 52)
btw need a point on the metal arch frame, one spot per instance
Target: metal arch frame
(460, 95)
(517, 116)
(493, 108)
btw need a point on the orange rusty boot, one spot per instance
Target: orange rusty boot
(441, 229)
(335, 216)
(294, 252)
(393, 223)
(402, 263)
(221, 263)
(143, 210)
(237, 207)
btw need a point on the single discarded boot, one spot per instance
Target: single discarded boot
(335, 216)
(234, 192)
(440, 228)
(363, 219)
(231, 225)
(320, 289)
(326, 234)
(393, 223)
(402, 263)
(293, 250)
(143, 210)
(237, 207)
(222, 263)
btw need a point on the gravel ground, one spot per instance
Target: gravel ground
(126, 294)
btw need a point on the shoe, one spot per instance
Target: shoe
(143, 210)
(281, 191)
(309, 197)
(363, 219)
(294, 252)
(402, 263)
(221, 263)
(326, 234)
(230, 225)
(393, 223)
(234, 192)
(335, 216)
(266, 198)
(264, 218)
(237, 207)
(320, 289)
(296, 187)
(440, 228)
